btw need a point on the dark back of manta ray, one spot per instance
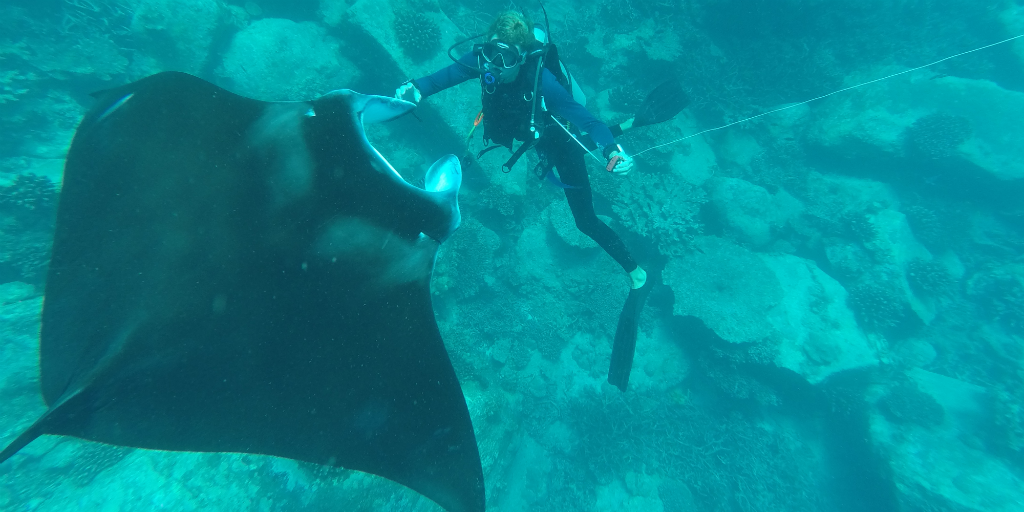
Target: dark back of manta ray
(191, 305)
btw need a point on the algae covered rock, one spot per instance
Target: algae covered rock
(414, 35)
(278, 59)
(559, 217)
(937, 135)
(750, 212)
(779, 299)
(928, 429)
(465, 262)
(333, 12)
(726, 286)
(179, 34)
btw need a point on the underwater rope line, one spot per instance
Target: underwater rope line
(787, 107)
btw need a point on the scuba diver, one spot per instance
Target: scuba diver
(525, 92)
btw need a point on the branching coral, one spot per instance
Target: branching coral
(29, 194)
(417, 34)
(466, 261)
(30, 204)
(927, 225)
(937, 135)
(1000, 292)
(929, 277)
(878, 303)
(97, 17)
(662, 207)
(11, 85)
(734, 384)
(625, 98)
(1008, 416)
(28, 254)
(859, 227)
(715, 456)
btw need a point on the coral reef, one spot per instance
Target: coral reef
(937, 135)
(905, 403)
(417, 34)
(625, 98)
(527, 318)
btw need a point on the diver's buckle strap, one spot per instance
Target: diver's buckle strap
(507, 166)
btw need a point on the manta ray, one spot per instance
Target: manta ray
(233, 275)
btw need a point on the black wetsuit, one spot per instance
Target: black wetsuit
(560, 150)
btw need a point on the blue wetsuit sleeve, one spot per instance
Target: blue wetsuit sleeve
(560, 103)
(450, 76)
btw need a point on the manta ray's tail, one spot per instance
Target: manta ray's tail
(56, 410)
(25, 438)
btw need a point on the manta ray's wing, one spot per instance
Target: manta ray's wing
(242, 276)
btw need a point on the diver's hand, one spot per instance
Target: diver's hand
(405, 88)
(619, 162)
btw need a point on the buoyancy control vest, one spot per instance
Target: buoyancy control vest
(509, 108)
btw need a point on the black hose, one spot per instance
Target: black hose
(463, 41)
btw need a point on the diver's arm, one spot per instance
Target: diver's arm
(561, 103)
(621, 127)
(450, 76)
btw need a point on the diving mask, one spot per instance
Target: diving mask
(500, 61)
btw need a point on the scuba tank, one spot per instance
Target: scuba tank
(561, 73)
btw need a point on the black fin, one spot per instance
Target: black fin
(625, 337)
(662, 104)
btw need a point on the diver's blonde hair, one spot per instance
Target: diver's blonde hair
(513, 27)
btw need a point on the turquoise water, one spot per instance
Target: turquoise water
(838, 320)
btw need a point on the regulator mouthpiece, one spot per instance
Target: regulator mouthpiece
(489, 78)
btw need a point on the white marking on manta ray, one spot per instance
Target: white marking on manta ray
(279, 133)
(351, 239)
(387, 164)
(117, 104)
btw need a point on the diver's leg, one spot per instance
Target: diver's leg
(572, 170)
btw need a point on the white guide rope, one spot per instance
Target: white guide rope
(787, 107)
